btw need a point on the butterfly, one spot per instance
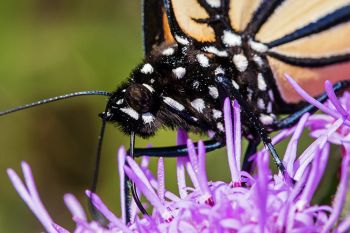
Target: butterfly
(199, 52)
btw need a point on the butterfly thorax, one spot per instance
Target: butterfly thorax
(175, 87)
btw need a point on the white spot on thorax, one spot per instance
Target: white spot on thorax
(258, 60)
(179, 72)
(195, 84)
(235, 85)
(261, 83)
(213, 92)
(261, 104)
(108, 114)
(214, 50)
(194, 118)
(231, 39)
(203, 60)
(258, 47)
(219, 70)
(119, 102)
(266, 119)
(198, 104)
(152, 81)
(131, 112)
(147, 69)
(173, 103)
(182, 40)
(148, 87)
(148, 118)
(214, 3)
(217, 114)
(168, 51)
(241, 62)
(220, 127)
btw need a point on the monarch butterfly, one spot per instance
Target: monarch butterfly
(198, 52)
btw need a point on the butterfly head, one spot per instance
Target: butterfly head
(134, 105)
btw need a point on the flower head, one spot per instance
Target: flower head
(262, 201)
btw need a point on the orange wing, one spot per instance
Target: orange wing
(329, 44)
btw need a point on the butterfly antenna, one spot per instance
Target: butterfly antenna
(96, 215)
(133, 186)
(54, 99)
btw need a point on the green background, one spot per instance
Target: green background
(53, 47)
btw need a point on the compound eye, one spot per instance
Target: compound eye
(140, 97)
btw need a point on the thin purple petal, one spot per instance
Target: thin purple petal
(334, 100)
(149, 194)
(121, 163)
(237, 129)
(341, 192)
(235, 176)
(74, 206)
(180, 164)
(97, 202)
(161, 179)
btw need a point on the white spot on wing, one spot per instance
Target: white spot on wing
(182, 40)
(258, 60)
(214, 50)
(214, 3)
(213, 92)
(173, 103)
(241, 62)
(198, 104)
(230, 39)
(168, 51)
(147, 69)
(220, 127)
(258, 47)
(261, 83)
(203, 60)
(266, 119)
(179, 72)
(148, 118)
(195, 84)
(131, 112)
(119, 102)
(217, 114)
(148, 87)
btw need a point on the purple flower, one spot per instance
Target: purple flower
(257, 202)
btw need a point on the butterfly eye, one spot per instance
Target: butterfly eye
(140, 97)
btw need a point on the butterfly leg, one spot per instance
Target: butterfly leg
(295, 117)
(175, 151)
(226, 87)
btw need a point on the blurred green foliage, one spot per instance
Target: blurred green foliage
(52, 47)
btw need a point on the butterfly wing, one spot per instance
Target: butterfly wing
(306, 39)
(155, 24)
(183, 16)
